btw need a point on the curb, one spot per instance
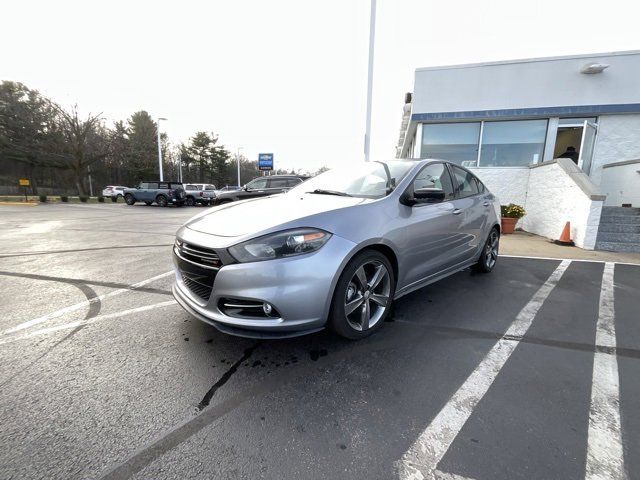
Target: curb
(22, 204)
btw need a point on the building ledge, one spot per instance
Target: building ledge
(579, 177)
(619, 164)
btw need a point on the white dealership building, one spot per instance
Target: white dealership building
(559, 136)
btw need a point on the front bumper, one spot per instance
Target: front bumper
(300, 288)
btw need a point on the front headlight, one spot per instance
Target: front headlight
(281, 244)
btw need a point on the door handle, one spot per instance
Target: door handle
(457, 211)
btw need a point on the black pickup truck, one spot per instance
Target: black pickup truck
(162, 193)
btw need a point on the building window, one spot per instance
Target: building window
(456, 142)
(512, 143)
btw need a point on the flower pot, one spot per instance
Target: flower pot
(508, 225)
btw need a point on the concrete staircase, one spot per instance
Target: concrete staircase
(619, 230)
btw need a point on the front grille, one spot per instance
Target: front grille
(200, 256)
(197, 284)
(198, 267)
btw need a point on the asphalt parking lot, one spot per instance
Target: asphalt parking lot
(512, 375)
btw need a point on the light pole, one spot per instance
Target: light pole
(160, 148)
(372, 35)
(238, 160)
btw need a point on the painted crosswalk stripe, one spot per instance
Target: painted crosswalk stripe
(605, 455)
(422, 459)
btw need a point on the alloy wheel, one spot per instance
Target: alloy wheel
(367, 295)
(491, 250)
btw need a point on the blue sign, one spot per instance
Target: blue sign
(265, 161)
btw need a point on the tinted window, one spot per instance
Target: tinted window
(163, 185)
(143, 185)
(278, 183)
(177, 185)
(209, 187)
(152, 185)
(191, 187)
(466, 184)
(292, 182)
(435, 176)
(456, 142)
(257, 184)
(512, 143)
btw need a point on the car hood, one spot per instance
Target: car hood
(256, 215)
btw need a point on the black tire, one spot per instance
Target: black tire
(350, 290)
(489, 255)
(129, 199)
(161, 200)
(118, 196)
(148, 203)
(190, 202)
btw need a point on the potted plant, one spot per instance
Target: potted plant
(510, 215)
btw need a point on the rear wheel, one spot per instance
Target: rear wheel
(161, 200)
(363, 296)
(489, 255)
(129, 199)
(190, 202)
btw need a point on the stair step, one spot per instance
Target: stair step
(618, 247)
(618, 228)
(620, 211)
(618, 219)
(618, 237)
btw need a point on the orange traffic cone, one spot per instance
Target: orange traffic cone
(565, 236)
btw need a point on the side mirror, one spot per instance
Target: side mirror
(423, 195)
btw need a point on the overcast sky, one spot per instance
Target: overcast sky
(287, 77)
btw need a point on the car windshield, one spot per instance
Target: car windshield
(365, 180)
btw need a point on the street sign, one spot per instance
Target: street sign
(265, 161)
(24, 182)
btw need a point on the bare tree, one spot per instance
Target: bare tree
(85, 143)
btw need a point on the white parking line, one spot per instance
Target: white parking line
(78, 306)
(605, 455)
(422, 459)
(66, 326)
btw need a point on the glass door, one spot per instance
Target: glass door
(589, 131)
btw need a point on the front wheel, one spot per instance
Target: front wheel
(489, 255)
(129, 199)
(190, 202)
(363, 296)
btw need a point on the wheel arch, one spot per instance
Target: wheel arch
(377, 245)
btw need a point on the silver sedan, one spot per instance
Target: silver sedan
(336, 250)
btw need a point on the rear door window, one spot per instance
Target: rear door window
(278, 183)
(191, 187)
(292, 182)
(152, 185)
(465, 183)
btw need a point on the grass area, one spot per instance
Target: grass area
(51, 199)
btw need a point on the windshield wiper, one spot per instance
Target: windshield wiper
(320, 191)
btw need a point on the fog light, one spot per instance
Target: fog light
(267, 308)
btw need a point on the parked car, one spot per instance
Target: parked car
(227, 188)
(336, 250)
(162, 193)
(201, 193)
(260, 187)
(113, 191)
